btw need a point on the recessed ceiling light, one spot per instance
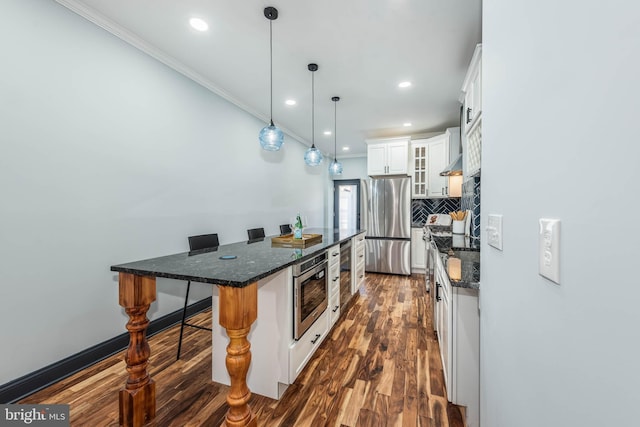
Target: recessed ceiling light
(327, 132)
(199, 24)
(345, 148)
(407, 124)
(404, 84)
(290, 102)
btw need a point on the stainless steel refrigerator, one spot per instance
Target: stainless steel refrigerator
(386, 204)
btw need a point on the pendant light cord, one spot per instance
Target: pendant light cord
(313, 103)
(271, 71)
(335, 130)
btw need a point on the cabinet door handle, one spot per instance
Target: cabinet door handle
(438, 292)
(468, 115)
(335, 254)
(336, 308)
(336, 278)
(361, 276)
(315, 340)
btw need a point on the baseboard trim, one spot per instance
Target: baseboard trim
(28, 384)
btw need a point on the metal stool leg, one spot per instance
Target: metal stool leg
(184, 316)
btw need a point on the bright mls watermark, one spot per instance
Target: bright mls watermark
(34, 415)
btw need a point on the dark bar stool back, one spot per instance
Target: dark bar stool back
(256, 233)
(285, 229)
(203, 241)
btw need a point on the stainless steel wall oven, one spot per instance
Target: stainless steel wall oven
(310, 283)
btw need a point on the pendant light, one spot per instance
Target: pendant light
(313, 156)
(335, 168)
(271, 137)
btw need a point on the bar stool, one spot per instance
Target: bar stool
(255, 233)
(285, 229)
(203, 241)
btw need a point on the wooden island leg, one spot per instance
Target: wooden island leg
(138, 398)
(238, 310)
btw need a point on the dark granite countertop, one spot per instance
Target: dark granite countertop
(254, 260)
(461, 259)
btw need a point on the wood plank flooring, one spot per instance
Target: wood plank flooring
(380, 366)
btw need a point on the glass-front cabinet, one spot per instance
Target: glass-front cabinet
(419, 157)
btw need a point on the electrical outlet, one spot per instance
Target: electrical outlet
(549, 249)
(494, 231)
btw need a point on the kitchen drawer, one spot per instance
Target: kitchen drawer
(334, 255)
(359, 277)
(301, 351)
(359, 241)
(334, 310)
(334, 280)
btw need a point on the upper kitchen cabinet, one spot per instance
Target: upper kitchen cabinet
(387, 156)
(471, 99)
(431, 156)
(419, 177)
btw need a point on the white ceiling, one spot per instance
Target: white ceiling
(363, 48)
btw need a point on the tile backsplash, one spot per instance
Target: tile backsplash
(471, 201)
(421, 208)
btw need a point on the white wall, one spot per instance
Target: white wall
(108, 156)
(560, 125)
(353, 168)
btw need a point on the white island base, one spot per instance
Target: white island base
(276, 358)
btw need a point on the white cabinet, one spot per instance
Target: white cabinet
(419, 177)
(443, 321)
(387, 156)
(457, 322)
(431, 156)
(418, 252)
(438, 161)
(301, 351)
(334, 284)
(359, 261)
(465, 349)
(472, 114)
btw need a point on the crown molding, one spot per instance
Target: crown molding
(134, 40)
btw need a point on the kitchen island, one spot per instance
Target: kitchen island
(236, 269)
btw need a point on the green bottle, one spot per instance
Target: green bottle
(297, 229)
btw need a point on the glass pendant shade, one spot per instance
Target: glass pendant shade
(335, 168)
(271, 137)
(313, 156)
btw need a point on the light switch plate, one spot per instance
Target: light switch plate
(494, 231)
(549, 249)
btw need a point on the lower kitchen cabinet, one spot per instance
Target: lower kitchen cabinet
(465, 350)
(457, 322)
(334, 285)
(359, 261)
(418, 252)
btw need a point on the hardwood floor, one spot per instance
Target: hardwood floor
(380, 366)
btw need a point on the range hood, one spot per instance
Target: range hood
(454, 168)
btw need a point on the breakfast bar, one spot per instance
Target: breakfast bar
(235, 269)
